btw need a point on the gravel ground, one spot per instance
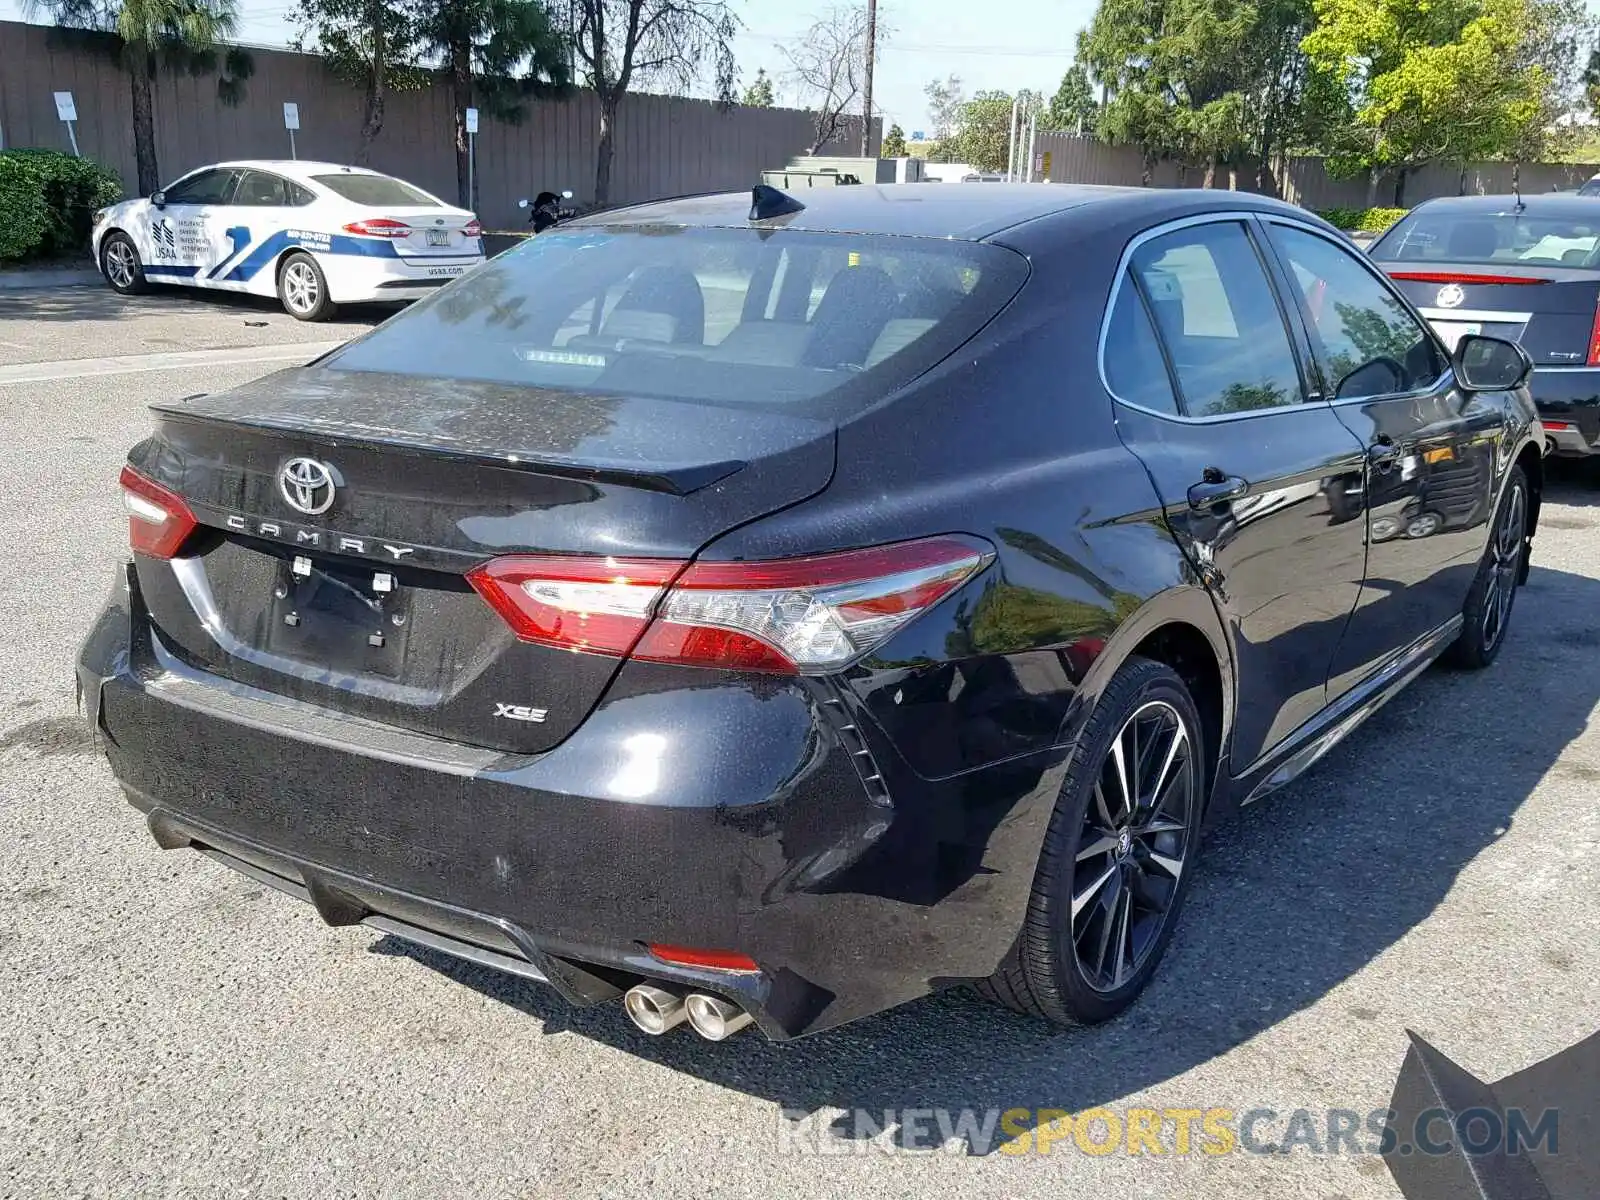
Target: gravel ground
(174, 1029)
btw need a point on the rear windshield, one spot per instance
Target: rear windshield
(812, 323)
(377, 190)
(1484, 238)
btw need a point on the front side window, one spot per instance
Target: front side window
(208, 187)
(1219, 320)
(1371, 345)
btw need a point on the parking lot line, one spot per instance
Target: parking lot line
(124, 364)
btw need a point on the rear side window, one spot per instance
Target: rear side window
(1485, 238)
(1371, 346)
(376, 191)
(813, 323)
(1218, 319)
(259, 189)
(1134, 366)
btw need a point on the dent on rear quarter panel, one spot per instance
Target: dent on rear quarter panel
(1012, 439)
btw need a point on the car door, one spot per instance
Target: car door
(1428, 486)
(259, 208)
(187, 230)
(1213, 399)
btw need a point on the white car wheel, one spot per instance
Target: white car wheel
(303, 289)
(120, 262)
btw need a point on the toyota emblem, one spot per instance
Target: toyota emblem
(1450, 296)
(307, 485)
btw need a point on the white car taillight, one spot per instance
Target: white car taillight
(800, 615)
(472, 229)
(382, 227)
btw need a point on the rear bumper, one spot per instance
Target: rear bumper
(727, 817)
(355, 279)
(1568, 399)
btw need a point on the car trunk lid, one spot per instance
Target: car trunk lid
(1551, 311)
(354, 596)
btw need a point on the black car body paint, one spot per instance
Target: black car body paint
(867, 835)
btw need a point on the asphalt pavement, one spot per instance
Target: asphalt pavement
(173, 1029)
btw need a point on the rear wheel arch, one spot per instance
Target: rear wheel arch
(1182, 630)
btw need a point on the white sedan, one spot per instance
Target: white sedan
(313, 234)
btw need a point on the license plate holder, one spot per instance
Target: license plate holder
(1451, 332)
(340, 618)
(438, 237)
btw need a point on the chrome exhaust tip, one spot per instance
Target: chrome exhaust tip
(714, 1018)
(654, 1010)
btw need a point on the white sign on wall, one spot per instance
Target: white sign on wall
(66, 108)
(291, 115)
(472, 120)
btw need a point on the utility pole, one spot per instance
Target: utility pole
(866, 91)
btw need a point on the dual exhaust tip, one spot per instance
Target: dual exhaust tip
(656, 1010)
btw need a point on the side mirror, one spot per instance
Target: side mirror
(159, 199)
(1491, 364)
(566, 195)
(523, 203)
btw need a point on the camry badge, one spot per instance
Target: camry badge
(1450, 296)
(307, 485)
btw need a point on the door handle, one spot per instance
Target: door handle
(1216, 488)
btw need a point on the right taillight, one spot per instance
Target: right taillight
(796, 616)
(159, 522)
(1594, 339)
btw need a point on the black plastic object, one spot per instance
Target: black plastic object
(767, 201)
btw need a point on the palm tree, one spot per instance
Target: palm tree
(146, 35)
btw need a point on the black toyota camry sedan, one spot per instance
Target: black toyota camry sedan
(1522, 268)
(756, 611)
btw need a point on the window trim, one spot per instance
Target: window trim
(1319, 351)
(1267, 258)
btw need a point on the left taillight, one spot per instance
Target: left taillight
(379, 227)
(159, 522)
(802, 616)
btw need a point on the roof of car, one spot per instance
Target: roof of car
(949, 210)
(294, 168)
(1568, 204)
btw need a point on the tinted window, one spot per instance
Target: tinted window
(300, 196)
(1477, 237)
(812, 322)
(376, 191)
(1218, 319)
(208, 187)
(1371, 346)
(259, 189)
(1134, 367)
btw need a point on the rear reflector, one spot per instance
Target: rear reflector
(688, 956)
(1460, 277)
(159, 522)
(793, 616)
(382, 227)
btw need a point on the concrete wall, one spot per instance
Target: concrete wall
(664, 145)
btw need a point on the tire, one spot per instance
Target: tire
(1487, 613)
(119, 263)
(303, 288)
(1062, 966)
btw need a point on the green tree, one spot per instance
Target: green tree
(148, 35)
(496, 54)
(621, 43)
(984, 136)
(945, 100)
(1422, 81)
(1073, 108)
(759, 93)
(894, 143)
(370, 44)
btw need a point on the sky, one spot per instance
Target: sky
(1030, 46)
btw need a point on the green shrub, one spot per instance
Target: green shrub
(1361, 220)
(47, 202)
